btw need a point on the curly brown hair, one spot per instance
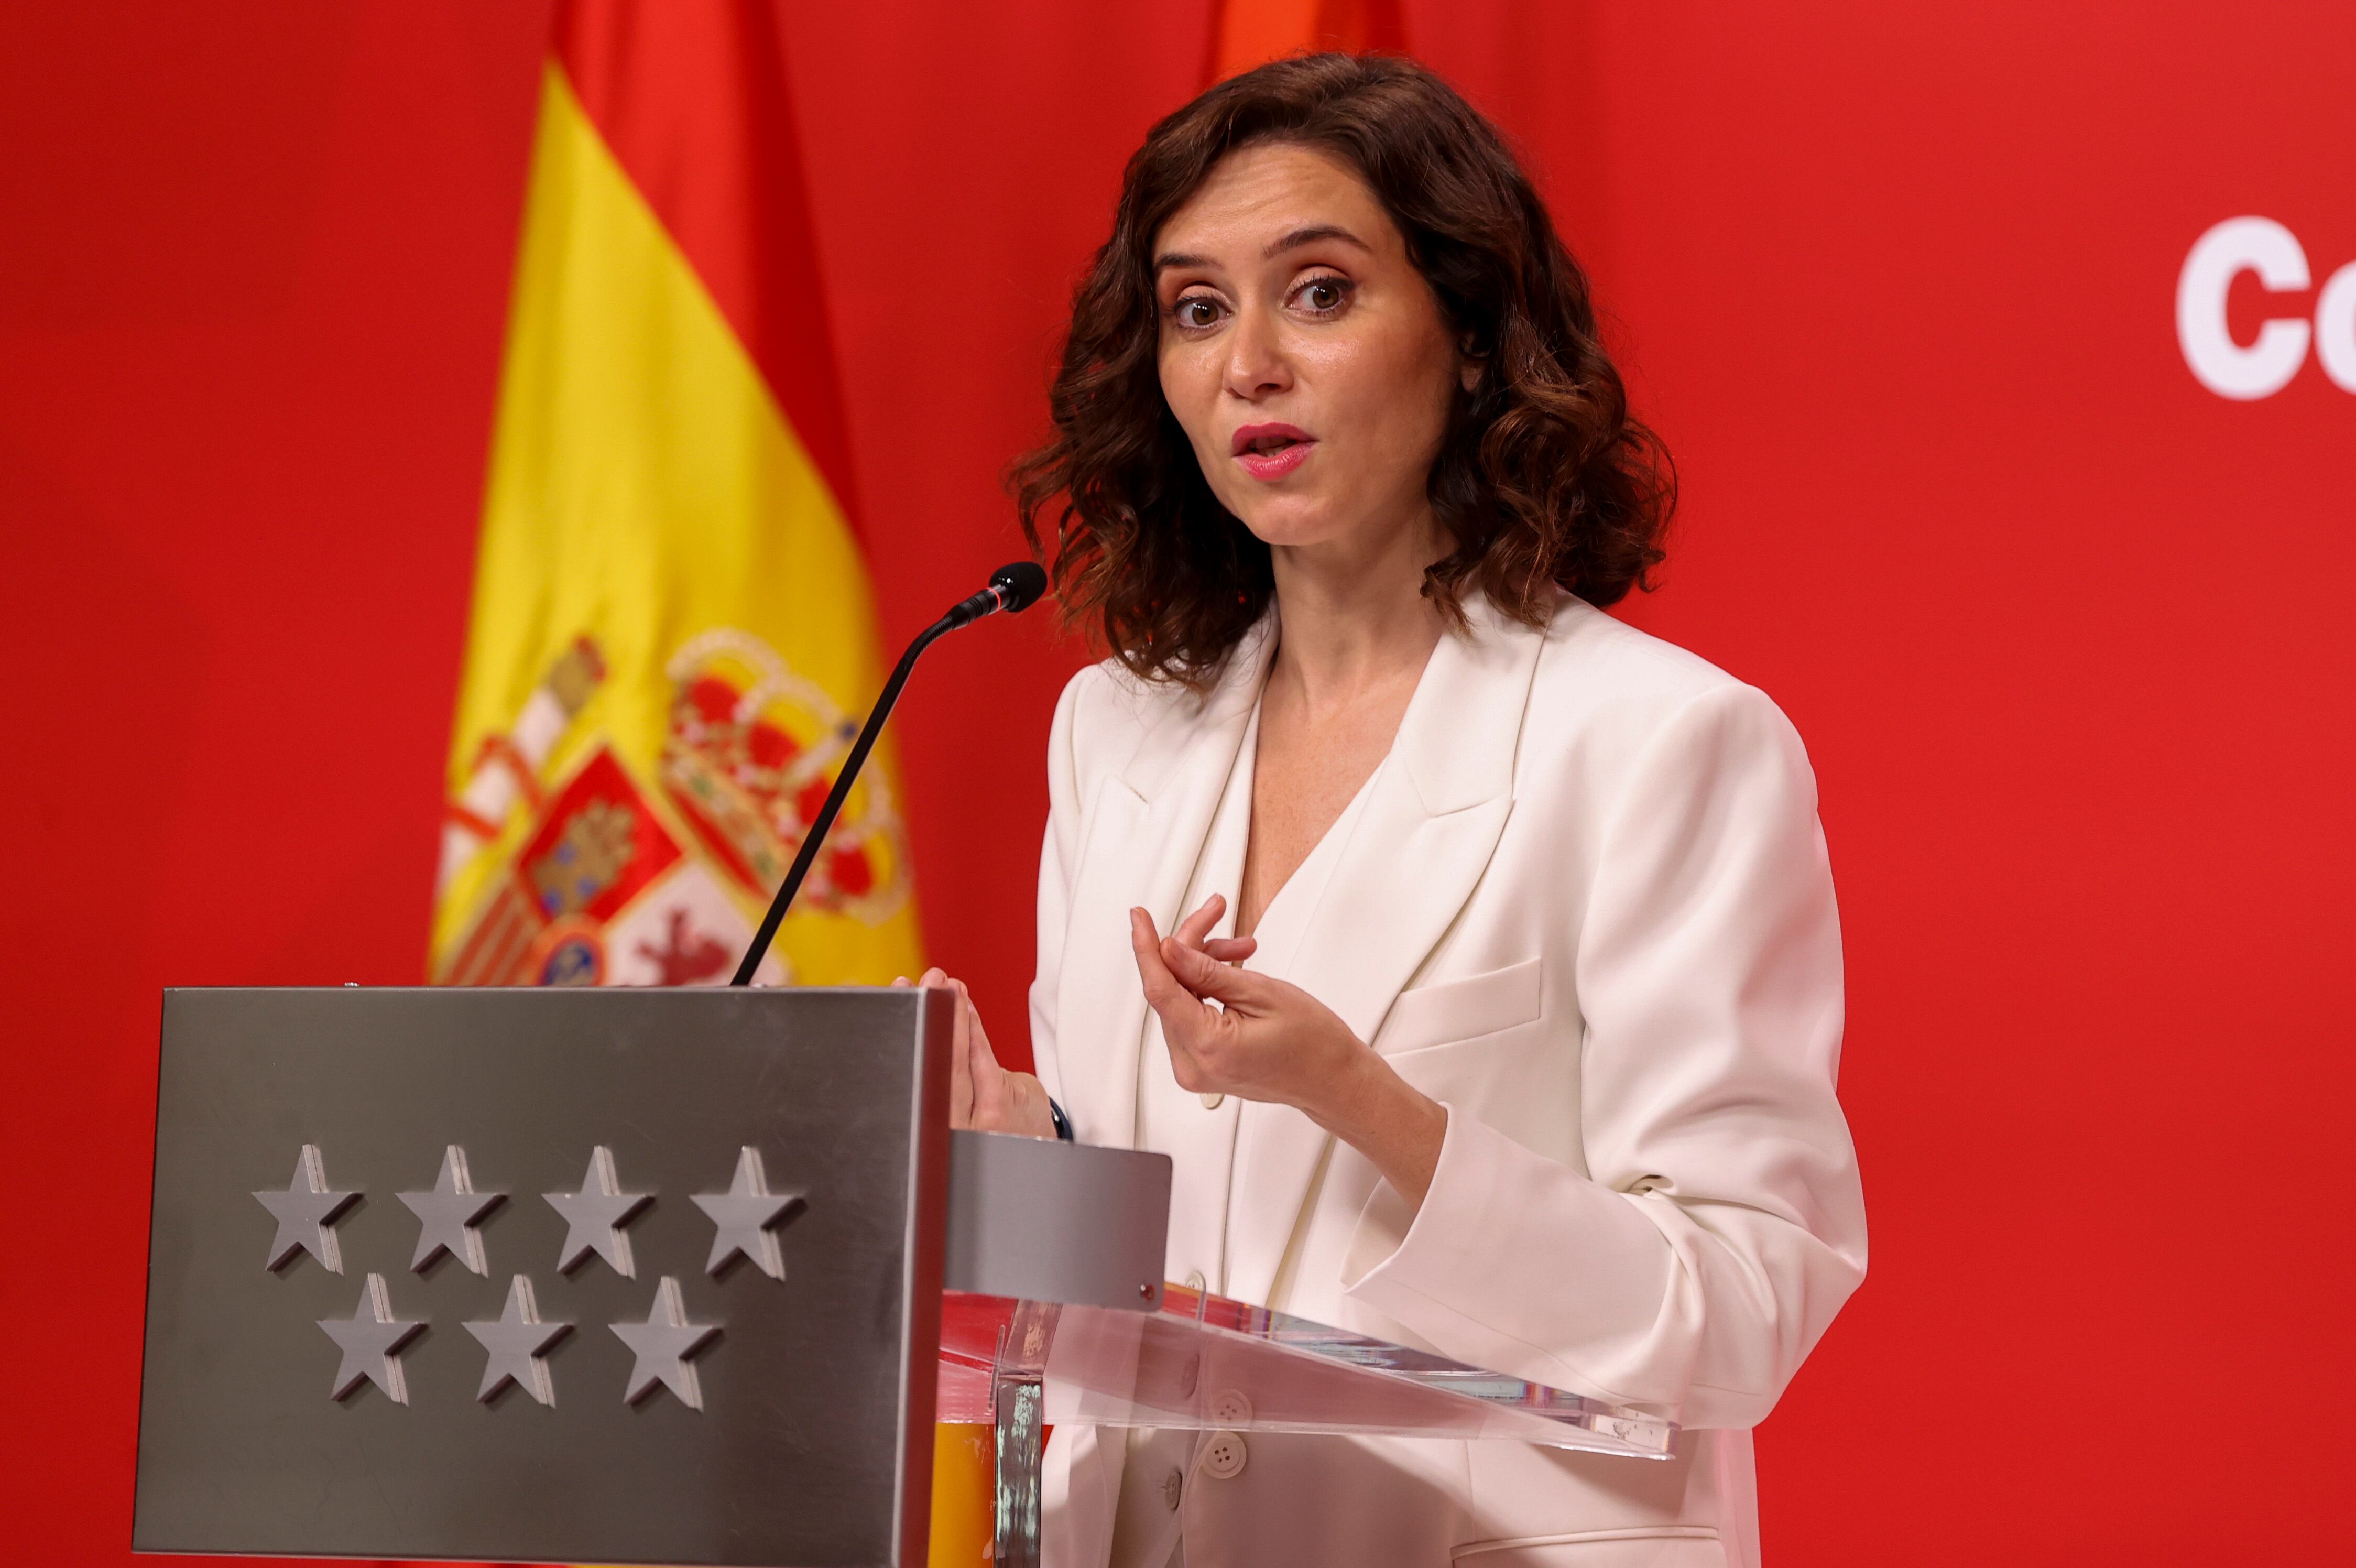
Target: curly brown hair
(1543, 478)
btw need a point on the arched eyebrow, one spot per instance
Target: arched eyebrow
(1292, 241)
(1311, 236)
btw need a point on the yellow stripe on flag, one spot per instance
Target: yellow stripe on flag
(672, 635)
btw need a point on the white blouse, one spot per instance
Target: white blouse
(1198, 1130)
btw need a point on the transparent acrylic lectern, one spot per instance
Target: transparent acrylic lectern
(1204, 1363)
(1052, 1313)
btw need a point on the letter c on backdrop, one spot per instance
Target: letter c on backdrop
(2239, 245)
(2335, 328)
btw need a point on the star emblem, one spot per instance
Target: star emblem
(745, 1214)
(370, 1339)
(448, 1214)
(517, 1343)
(307, 1213)
(664, 1345)
(594, 1216)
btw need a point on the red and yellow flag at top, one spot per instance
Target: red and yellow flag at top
(673, 641)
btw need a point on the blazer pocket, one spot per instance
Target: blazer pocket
(1462, 1009)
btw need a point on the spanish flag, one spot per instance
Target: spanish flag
(674, 642)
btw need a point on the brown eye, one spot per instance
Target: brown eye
(1197, 311)
(1323, 295)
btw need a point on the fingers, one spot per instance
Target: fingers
(989, 1078)
(973, 1021)
(1196, 925)
(1189, 966)
(966, 1020)
(984, 1094)
(1208, 978)
(962, 1076)
(962, 1095)
(1194, 969)
(961, 1031)
(1193, 932)
(1161, 987)
(1182, 1014)
(1181, 981)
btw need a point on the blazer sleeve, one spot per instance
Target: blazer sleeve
(1057, 861)
(1719, 1222)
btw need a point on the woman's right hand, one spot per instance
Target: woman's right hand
(984, 1096)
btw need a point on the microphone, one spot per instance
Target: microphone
(1013, 587)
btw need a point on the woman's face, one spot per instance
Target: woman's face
(1302, 352)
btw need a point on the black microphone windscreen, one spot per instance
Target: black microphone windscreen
(1022, 583)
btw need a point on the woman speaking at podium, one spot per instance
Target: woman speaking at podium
(1473, 955)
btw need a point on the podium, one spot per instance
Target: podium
(672, 1276)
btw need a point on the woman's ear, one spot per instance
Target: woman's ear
(1468, 364)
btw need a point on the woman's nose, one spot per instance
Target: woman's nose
(1256, 361)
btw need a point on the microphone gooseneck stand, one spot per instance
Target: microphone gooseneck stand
(1013, 588)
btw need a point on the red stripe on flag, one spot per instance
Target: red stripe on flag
(691, 97)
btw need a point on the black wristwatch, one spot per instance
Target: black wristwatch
(1063, 1122)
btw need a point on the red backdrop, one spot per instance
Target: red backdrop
(2064, 630)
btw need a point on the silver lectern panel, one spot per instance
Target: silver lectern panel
(563, 1276)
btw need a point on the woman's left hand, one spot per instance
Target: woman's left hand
(984, 1096)
(1273, 1041)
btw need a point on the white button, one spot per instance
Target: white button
(1211, 1102)
(1230, 1407)
(1195, 1280)
(1223, 1459)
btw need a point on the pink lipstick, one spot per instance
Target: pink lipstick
(1270, 452)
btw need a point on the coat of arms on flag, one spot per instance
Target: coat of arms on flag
(672, 642)
(607, 884)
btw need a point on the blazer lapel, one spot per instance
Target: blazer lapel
(1144, 835)
(1432, 821)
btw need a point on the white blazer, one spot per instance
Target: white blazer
(1587, 908)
